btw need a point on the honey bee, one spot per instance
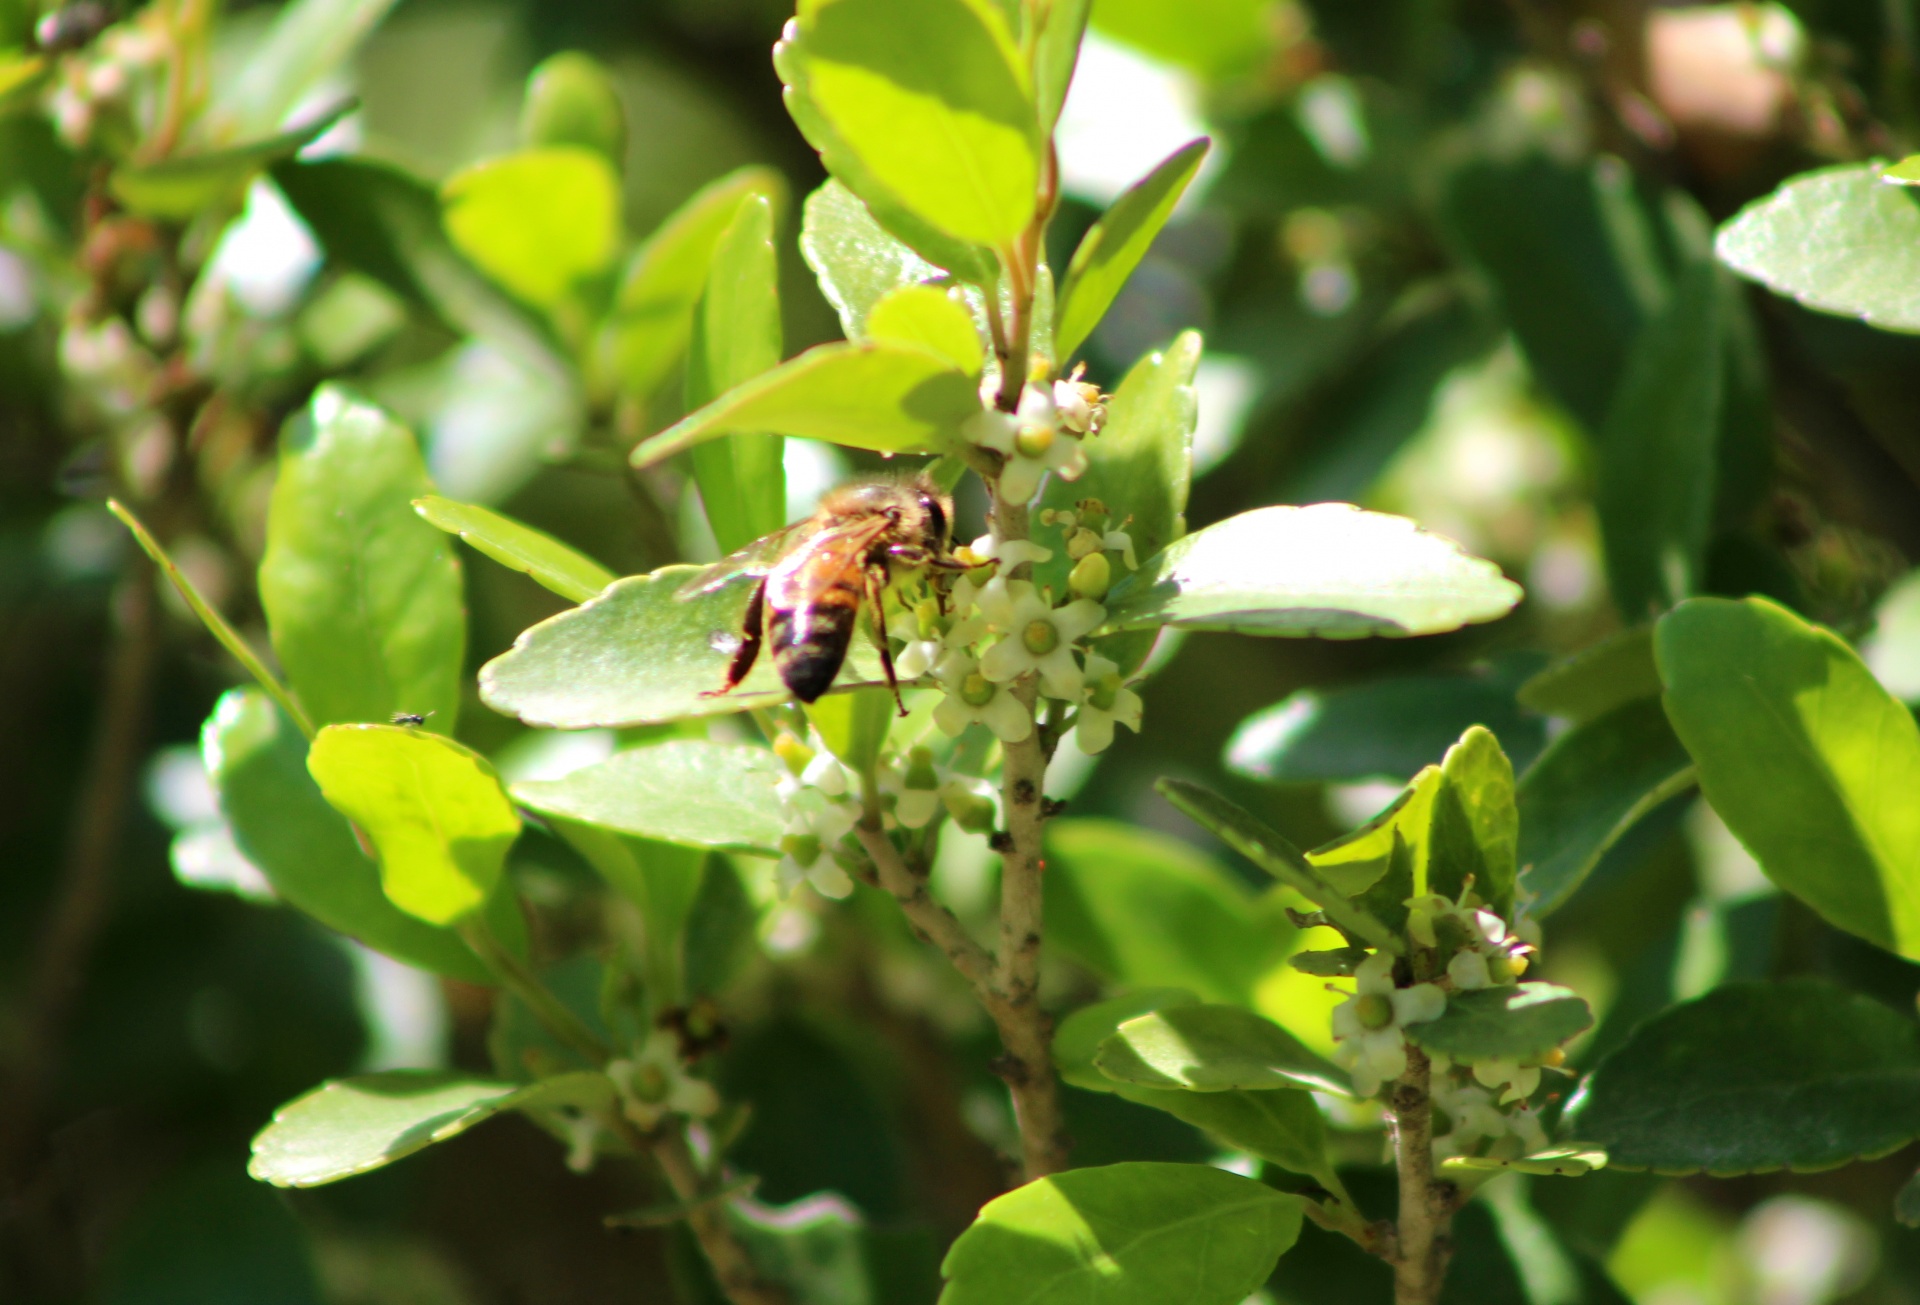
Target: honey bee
(815, 574)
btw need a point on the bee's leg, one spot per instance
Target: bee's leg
(749, 650)
(876, 589)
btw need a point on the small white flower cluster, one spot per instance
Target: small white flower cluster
(1482, 1107)
(654, 1081)
(817, 793)
(1044, 435)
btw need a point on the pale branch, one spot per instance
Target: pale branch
(1426, 1207)
(932, 921)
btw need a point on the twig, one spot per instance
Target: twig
(1419, 1262)
(930, 920)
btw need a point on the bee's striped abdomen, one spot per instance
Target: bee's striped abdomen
(810, 643)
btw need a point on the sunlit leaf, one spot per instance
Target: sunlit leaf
(534, 553)
(353, 1125)
(930, 319)
(363, 598)
(1213, 1049)
(1754, 1077)
(638, 654)
(1114, 246)
(538, 221)
(1838, 240)
(433, 810)
(1215, 38)
(1611, 673)
(1330, 570)
(1592, 785)
(571, 100)
(856, 260)
(1522, 1022)
(1056, 46)
(1103, 1236)
(681, 791)
(182, 185)
(1560, 1162)
(1811, 763)
(308, 42)
(886, 397)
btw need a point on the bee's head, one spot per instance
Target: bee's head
(939, 513)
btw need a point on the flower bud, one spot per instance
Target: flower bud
(803, 848)
(920, 770)
(1034, 441)
(1082, 542)
(1090, 577)
(1373, 1011)
(571, 101)
(970, 811)
(791, 750)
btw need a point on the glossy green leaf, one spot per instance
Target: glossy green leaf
(1146, 910)
(181, 186)
(681, 791)
(363, 598)
(1609, 674)
(1215, 38)
(652, 318)
(1559, 1162)
(856, 261)
(1329, 570)
(1592, 785)
(637, 654)
(662, 880)
(931, 98)
(1213, 1049)
(1523, 1023)
(306, 849)
(1126, 1234)
(1056, 49)
(736, 336)
(433, 810)
(930, 319)
(1077, 1038)
(531, 552)
(1114, 246)
(1254, 839)
(1656, 490)
(1755, 1077)
(350, 1126)
(308, 42)
(886, 397)
(1811, 763)
(1385, 729)
(538, 221)
(1475, 823)
(1140, 466)
(1839, 240)
(375, 219)
(1904, 173)
(854, 726)
(571, 100)
(20, 76)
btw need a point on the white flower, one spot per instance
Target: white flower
(1037, 451)
(1527, 1127)
(1468, 970)
(825, 773)
(654, 1083)
(1475, 1118)
(1076, 410)
(1119, 541)
(1367, 1026)
(990, 429)
(1037, 637)
(1519, 1081)
(1011, 551)
(805, 858)
(917, 793)
(917, 658)
(971, 697)
(1108, 701)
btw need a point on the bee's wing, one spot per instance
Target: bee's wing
(756, 558)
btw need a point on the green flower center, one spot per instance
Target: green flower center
(1040, 638)
(1374, 1011)
(976, 690)
(803, 848)
(1034, 441)
(1104, 694)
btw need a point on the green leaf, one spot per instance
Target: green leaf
(856, 261)
(434, 811)
(1215, 38)
(1616, 671)
(1521, 1023)
(1140, 465)
(1475, 824)
(1838, 240)
(1906, 1202)
(1592, 785)
(1252, 838)
(1904, 173)
(652, 317)
(815, 1247)
(1126, 1234)
(736, 336)
(1114, 245)
(363, 598)
(538, 221)
(1144, 909)
(1383, 729)
(1560, 1162)
(1810, 762)
(377, 220)
(930, 319)
(571, 100)
(350, 1126)
(181, 186)
(1755, 1077)
(886, 397)
(682, 791)
(308, 41)
(1056, 49)
(1077, 1038)
(1329, 570)
(854, 725)
(534, 553)
(637, 654)
(1213, 1049)
(930, 98)
(1657, 466)
(663, 880)
(306, 849)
